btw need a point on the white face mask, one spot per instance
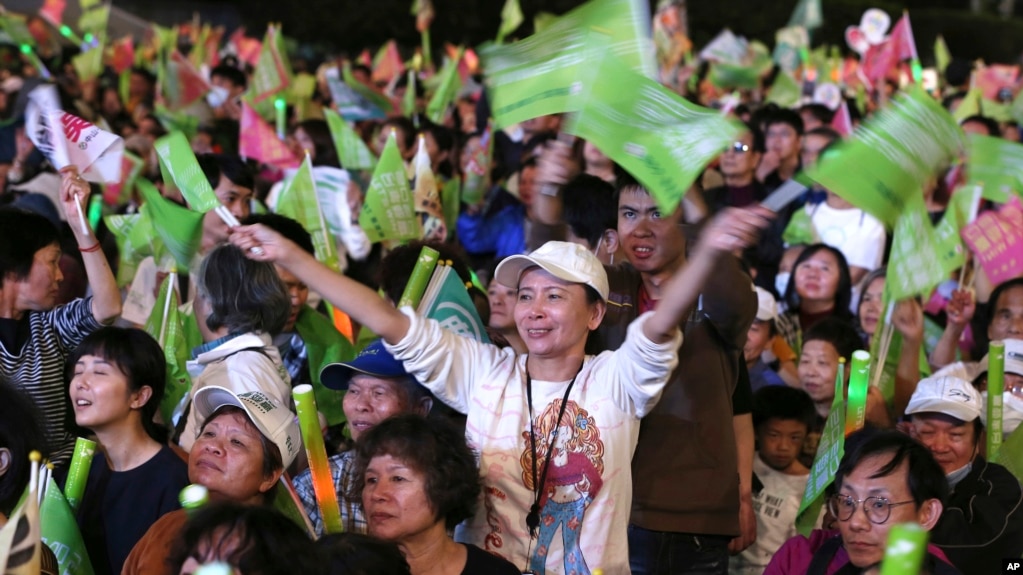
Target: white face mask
(217, 96)
(781, 281)
(959, 474)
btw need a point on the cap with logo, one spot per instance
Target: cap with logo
(275, 421)
(564, 260)
(948, 395)
(373, 360)
(1013, 358)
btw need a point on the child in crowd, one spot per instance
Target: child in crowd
(758, 338)
(782, 417)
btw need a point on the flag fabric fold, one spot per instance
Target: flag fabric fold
(388, 211)
(179, 166)
(165, 325)
(179, 228)
(299, 201)
(351, 150)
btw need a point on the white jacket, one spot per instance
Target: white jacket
(249, 362)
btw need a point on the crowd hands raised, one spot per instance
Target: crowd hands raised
(650, 398)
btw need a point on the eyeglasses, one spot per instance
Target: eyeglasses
(877, 509)
(738, 148)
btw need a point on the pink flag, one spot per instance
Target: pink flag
(879, 60)
(183, 84)
(122, 54)
(842, 123)
(53, 11)
(248, 49)
(365, 59)
(993, 78)
(259, 141)
(390, 64)
(996, 239)
(902, 37)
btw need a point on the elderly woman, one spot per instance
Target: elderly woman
(35, 336)
(516, 404)
(418, 479)
(245, 442)
(241, 305)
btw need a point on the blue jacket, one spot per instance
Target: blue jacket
(502, 233)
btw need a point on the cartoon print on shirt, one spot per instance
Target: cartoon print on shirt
(573, 481)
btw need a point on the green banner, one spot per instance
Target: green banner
(654, 134)
(830, 450)
(996, 165)
(179, 228)
(132, 232)
(545, 73)
(179, 166)
(785, 91)
(914, 266)
(960, 210)
(891, 156)
(351, 150)
(59, 531)
(164, 324)
(388, 212)
(298, 201)
(447, 90)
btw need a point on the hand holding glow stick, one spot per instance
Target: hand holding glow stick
(319, 469)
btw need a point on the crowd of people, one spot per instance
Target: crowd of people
(650, 399)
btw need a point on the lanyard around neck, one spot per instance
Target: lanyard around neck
(533, 518)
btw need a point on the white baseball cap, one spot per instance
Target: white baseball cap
(1013, 358)
(947, 395)
(276, 422)
(563, 260)
(767, 307)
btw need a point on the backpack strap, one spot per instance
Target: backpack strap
(823, 556)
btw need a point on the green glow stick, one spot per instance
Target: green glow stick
(420, 278)
(995, 388)
(319, 469)
(78, 472)
(907, 545)
(856, 406)
(192, 497)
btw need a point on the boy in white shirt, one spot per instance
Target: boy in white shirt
(782, 416)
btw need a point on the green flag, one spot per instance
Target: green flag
(447, 90)
(544, 73)
(785, 91)
(177, 120)
(970, 105)
(961, 210)
(729, 76)
(996, 165)
(298, 201)
(94, 21)
(89, 64)
(59, 531)
(408, 101)
(830, 450)
(166, 38)
(325, 345)
(178, 227)
(179, 166)
(660, 138)
(800, 229)
(511, 19)
(807, 14)
(450, 193)
(543, 21)
(132, 232)
(447, 301)
(272, 74)
(891, 157)
(388, 212)
(914, 267)
(942, 56)
(351, 150)
(788, 42)
(164, 324)
(376, 98)
(1010, 455)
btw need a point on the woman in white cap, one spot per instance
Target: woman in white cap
(555, 429)
(983, 517)
(244, 443)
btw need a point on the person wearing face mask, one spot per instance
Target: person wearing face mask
(983, 517)
(1012, 397)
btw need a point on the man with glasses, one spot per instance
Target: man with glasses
(885, 478)
(737, 164)
(983, 518)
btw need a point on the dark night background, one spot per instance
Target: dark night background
(350, 25)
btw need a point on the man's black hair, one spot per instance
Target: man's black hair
(925, 478)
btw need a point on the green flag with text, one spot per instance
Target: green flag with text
(164, 324)
(996, 165)
(914, 267)
(298, 201)
(389, 212)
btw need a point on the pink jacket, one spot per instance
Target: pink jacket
(795, 555)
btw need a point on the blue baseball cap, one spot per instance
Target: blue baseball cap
(374, 360)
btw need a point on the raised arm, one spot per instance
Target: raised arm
(730, 231)
(74, 199)
(361, 303)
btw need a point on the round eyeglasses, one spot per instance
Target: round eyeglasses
(877, 509)
(738, 148)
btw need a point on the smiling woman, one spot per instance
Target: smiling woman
(35, 336)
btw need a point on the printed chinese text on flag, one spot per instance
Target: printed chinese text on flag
(389, 212)
(299, 202)
(650, 131)
(164, 324)
(830, 450)
(258, 141)
(447, 301)
(544, 74)
(182, 169)
(996, 240)
(894, 153)
(914, 266)
(996, 165)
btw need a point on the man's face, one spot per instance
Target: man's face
(863, 539)
(812, 146)
(739, 160)
(783, 140)
(653, 242)
(952, 442)
(1007, 319)
(370, 400)
(236, 199)
(298, 292)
